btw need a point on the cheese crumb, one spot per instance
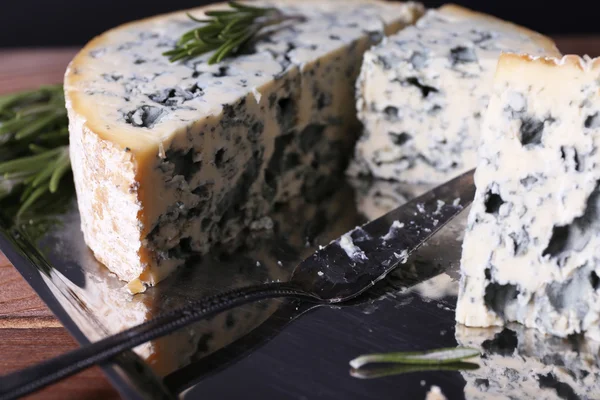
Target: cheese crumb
(391, 233)
(435, 393)
(136, 286)
(353, 251)
(257, 95)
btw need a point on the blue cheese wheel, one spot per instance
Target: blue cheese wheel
(171, 158)
(530, 253)
(422, 92)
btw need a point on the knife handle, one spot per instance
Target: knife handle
(28, 380)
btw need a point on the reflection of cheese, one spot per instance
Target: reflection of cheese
(375, 198)
(99, 303)
(530, 253)
(171, 158)
(524, 364)
(438, 287)
(422, 91)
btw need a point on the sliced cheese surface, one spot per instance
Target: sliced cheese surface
(421, 93)
(530, 253)
(171, 158)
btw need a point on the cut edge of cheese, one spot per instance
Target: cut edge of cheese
(515, 60)
(452, 8)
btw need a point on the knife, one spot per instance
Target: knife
(338, 272)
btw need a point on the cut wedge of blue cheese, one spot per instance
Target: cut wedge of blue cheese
(530, 253)
(422, 91)
(170, 158)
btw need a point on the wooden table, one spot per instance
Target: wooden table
(29, 333)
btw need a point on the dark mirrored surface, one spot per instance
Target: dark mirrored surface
(287, 349)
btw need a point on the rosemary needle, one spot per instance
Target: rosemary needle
(431, 357)
(371, 373)
(225, 31)
(34, 145)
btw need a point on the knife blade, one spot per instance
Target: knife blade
(353, 263)
(340, 271)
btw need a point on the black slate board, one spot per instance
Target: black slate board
(272, 349)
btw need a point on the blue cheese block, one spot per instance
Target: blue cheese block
(523, 363)
(421, 93)
(170, 158)
(531, 247)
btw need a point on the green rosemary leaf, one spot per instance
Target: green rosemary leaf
(431, 357)
(224, 31)
(37, 109)
(240, 23)
(211, 40)
(7, 101)
(371, 373)
(28, 163)
(61, 168)
(220, 14)
(13, 125)
(28, 189)
(240, 6)
(61, 133)
(190, 16)
(186, 37)
(37, 149)
(41, 177)
(15, 101)
(231, 45)
(30, 199)
(35, 126)
(34, 152)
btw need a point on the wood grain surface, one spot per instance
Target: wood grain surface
(29, 333)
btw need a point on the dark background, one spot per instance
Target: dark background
(34, 23)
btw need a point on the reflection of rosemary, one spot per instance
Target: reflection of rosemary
(226, 31)
(446, 359)
(371, 373)
(34, 152)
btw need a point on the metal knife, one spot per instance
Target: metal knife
(338, 272)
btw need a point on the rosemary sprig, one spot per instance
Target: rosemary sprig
(371, 373)
(34, 152)
(225, 31)
(430, 357)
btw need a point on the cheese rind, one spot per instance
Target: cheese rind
(531, 245)
(170, 158)
(422, 91)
